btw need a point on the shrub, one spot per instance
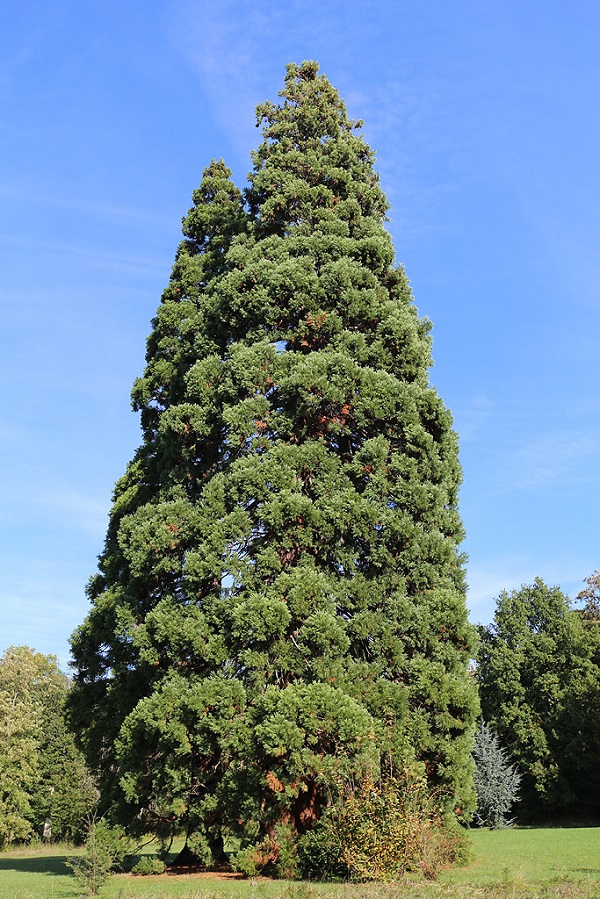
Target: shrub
(199, 844)
(379, 831)
(276, 854)
(319, 852)
(148, 866)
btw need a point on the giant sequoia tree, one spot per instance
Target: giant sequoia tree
(280, 601)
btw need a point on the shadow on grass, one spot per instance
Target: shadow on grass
(50, 864)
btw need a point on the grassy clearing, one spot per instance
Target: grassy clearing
(508, 864)
(535, 854)
(36, 873)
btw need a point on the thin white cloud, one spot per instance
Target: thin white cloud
(239, 50)
(58, 510)
(28, 192)
(20, 52)
(94, 257)
(220, 40)
(471, 417)
(503, 463)
(486, 581)
(42, 613)
(558, 458)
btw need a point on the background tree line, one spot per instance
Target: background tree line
(538, 675)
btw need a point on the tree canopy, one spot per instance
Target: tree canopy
(539, 684)
(280, 600)
(42, 775)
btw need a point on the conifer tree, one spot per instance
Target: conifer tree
(280, 601)
(496, 780)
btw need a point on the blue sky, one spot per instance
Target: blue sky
(485, 118)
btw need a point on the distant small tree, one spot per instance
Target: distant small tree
(105, 847)
(18, 768)
(496, 780)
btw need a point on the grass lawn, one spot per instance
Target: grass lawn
(534, 854)
(36, 873)
(509, 864)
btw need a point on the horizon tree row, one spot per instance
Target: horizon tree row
(280, 603)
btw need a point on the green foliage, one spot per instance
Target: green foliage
(380, 831)
(590, 596)
(280, 599)
(496, 780)
(42, 774)
(276, 855)
(147, 866)
(105, 847)
(540, 690)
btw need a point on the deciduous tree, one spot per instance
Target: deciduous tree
(539, 688)
(590, 596)
(42, 774)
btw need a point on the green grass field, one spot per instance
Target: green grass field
(508, 864)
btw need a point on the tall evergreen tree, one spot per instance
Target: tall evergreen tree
(280, 601)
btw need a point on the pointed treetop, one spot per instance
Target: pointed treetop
(311, 168)
(312, 108)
